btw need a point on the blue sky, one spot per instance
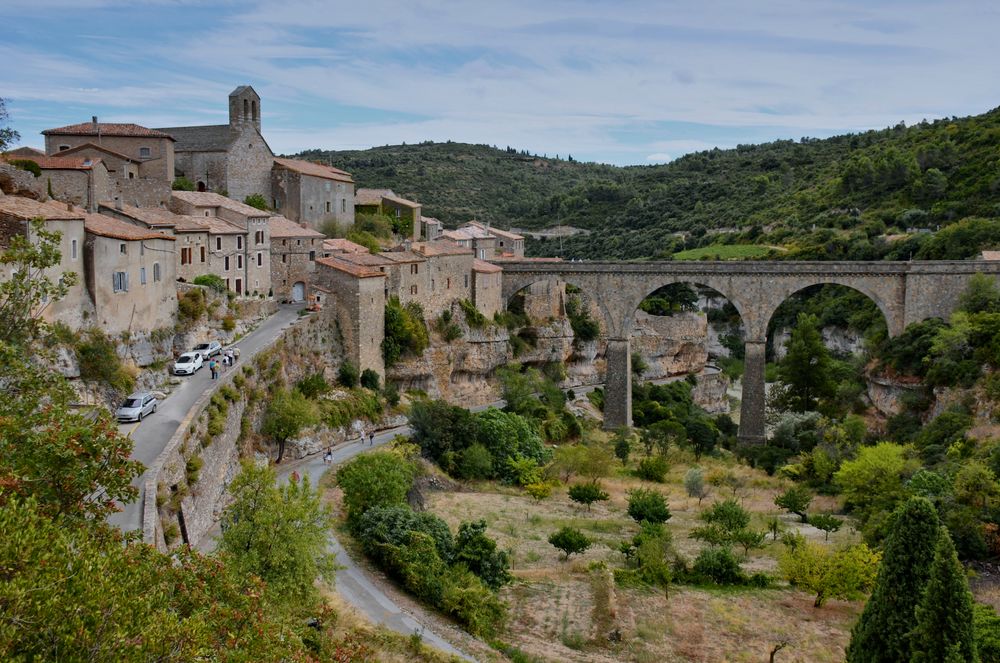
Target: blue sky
(619, 82)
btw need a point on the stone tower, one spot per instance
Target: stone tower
(244, 108)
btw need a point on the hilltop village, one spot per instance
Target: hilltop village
(138, 239)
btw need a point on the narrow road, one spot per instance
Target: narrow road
(151, 435)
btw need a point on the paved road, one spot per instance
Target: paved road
(353, 582)
(151, 435)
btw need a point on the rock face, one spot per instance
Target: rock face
(710, 392)
(671, 345)
(887, 395)
(837, 340)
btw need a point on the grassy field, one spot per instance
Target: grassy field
(573, 611)
(726, 252)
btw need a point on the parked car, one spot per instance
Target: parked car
(136, 407)
(207, 350)
(188, 363)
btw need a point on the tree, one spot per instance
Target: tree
(29, 289)
(844, 574)
(795, 500)
(701, 435)
(567, 461)
(883, 632)
(347, 374)
(749, 539)
(623, 444)
(278, 533)
(694, 484)
(944, 630)
(875, 478)
(439, 427)
(72, 462)
(728, 523)
(8, 136)
(286, 415)
(826, 522)
(571, 541)
(587, 493)
(374, 479)
(648, 505)
(539, 491)
(256, 200)
(805, 371)
(480, 555)
(981, 295)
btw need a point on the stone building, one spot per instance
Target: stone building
(130, 276)
(15, 215)
(431, 228)
(232, 158)
(449, 268)
(336, 246)
(384, 201)
(487, 288)
(78, 180)
(239, 240)
(407, 275)
(294, 250)
(151, 151)
(482, 243)
(357, 294)
(507, 244)
(125, 174)
(312, 193)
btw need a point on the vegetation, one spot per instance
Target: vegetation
(256, 200)
(587, 493)
(287, 414)
(570, 541)
(182, 184)
(212, 281)
(405, 331)
(848, 573)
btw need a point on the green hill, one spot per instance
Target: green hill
(818, 197)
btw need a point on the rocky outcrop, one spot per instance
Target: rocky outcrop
(838, 340)
(711, 392)
(670, 345)
(887, 395)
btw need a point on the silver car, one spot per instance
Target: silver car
(136, 407)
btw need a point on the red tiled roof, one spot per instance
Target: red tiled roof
(106, 226)
(359, 271)
(485, 267)
(156, 217)
(57, 162)
(282, 227)
(366, 258)
(315, 169)
(25, 152)
(27, 209)
(440, 248)
(343, 246)
(376, 196)
(210, 199)
(106, 129)
(510, 257)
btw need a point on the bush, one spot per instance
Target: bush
(370, 379)
(191, 305)
(648, 505)
(405, 331)
(229, 323)
(479, 554)
(473, 317)
(466, 598)
(718, 566)
(474, 462)
(375, 479)
(256, 200)
(29, 166)
(182, 184)
(653, 468)
(97, 356)
(347, 374)
(313, 385)
(211, 281)
(587, 493)
(570, 541)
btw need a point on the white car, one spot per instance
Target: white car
(136, 407)
(207, 350)
(188, 363)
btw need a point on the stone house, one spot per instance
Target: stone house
(338, 245)
(232, 158)
(239, 239)
(24, 152)
(431, 228)
(15, 214)
(487, 288)
(482, 243)
(125, 174)
(449, 268)
(408, 276)
(294, 250)
(384, 201)
(130, 276)
(78, 180)
(312, 193)
(151, 150)
(357, 295)
(508, 244)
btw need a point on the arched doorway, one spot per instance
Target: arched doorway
(299, 292)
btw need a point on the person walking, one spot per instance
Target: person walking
(328, 456)
(213, 368)
(371, 438)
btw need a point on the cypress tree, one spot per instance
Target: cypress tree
(805, 370)
(883, 633)
(944, 616)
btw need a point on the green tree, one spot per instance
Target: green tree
(795, 500)
(405, 331)
(29, 288)
(374, 479)
(278, 533)
(883, 633)
(694, 484)
(826, 522)
(73, 462)
(587, 493)
(8, 136)
(286, 415)
(844, 574)
(701, 435)
(570, 541)
(648, 505)
(981, 295)
(875, 478)
(944, 630)
(538, 491)
(479, 554)
(256, 200)
(347, 374)
(805, 371)
(622, 444)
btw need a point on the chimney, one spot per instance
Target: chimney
(93, 121)
(118, 202)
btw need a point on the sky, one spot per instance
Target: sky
(626, 82)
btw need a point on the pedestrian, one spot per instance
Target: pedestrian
(328, 456)
(371, 438)
(213, 368)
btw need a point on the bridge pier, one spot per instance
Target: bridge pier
(752, 404)
(618, 384)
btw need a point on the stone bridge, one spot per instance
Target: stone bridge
(905, 292)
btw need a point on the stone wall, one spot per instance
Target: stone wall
(248, 167)
(451, 280)
(17, 182)
(312, 200)
(140, 191)
(358, 305)
(291, 263)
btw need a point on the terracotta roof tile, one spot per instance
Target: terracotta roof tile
(485, 267)
(219, 226)
(376, 196)
(359, 271)
(155, 217)
(210, 199)
(282, 227)
(58, 162)
(96, 148)
(366, 258)
(343, 246)
(106, 129)
(27, 208)
(403, 257)
(440, 248)
(315, 169)
(106, 226)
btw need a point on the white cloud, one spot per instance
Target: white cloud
(659, 157)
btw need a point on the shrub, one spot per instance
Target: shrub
(826, 522)
(570, 541)
(718, 566)
(653, 468)
(694, 483)
(405, 331)
(844, 574)
(313, 385)
(648, 505)
(211, 281)
(182, 184)
(97, 356)
(539, 491)
(347, 374)
(390, 525)
(256, 200)
(191, 305)
(795, 500)
(587, 493)
(466, 598)
(370, 379)
(391, 394)
(479, 554)
(229, 323)
(473, 317)
(474, 462)
(375, 479)
(31, 167)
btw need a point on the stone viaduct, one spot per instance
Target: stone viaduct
(905, 292)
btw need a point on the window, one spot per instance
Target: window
(239, 262)
(298, 242)
(260, 258)
(466, 280)
(328, 207)
(206, 213)
(398, 214)
(123, 248)
(284, 257)
(142, 276)
(131, 175)
(227, 284)
(218, 243)
(343, 205)
(414, 269)
(258, 237)
(202, 253)
(256, 283)
(448, 286)
(119, 281)
(239, 242)
(239, 286)
(312, 255)
(186, 255)
(63, 147)
(144, 153)
(413, 289)
(156, 272)
(73, 249)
